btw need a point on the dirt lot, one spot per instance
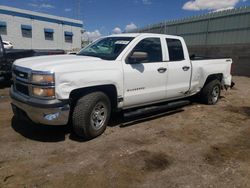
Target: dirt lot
(197, 146)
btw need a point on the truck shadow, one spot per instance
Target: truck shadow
(246, 110)
(122, 122)
(117, 119)
(37, 132)
(45, 133)
(5, 84)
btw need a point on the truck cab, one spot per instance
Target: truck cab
(163, 74)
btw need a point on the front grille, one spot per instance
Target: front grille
(23, 83)
(21, 79)
(21, 74)
(22, 88)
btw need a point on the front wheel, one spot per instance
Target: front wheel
(210, 94)
(91, 115)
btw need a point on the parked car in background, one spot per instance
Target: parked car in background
(8, 56)
(129, 72)
(7, 45)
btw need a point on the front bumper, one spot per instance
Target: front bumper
(48, 112)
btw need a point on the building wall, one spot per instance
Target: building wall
(218, 28)
(239, 53)
(37, 41)
(218, 34)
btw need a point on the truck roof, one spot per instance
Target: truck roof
(142, 34)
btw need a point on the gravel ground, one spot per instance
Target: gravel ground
(196, 146)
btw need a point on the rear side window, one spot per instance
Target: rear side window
(152, 46)
(175, 50)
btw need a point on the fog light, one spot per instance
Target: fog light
(51, 117)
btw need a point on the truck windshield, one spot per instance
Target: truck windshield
(108, 48)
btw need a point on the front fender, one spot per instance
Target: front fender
(67, 82)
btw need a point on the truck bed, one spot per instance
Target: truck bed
(199, 58)
(202, 68)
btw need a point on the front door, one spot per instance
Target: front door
(145, 80)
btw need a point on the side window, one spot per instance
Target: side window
(48, 34)
(3, 28)
(26, 31)
(152, 47)
(175, 50)
(68, 36)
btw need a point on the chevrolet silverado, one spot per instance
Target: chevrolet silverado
(117, 72)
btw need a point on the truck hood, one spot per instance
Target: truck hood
(61, 63)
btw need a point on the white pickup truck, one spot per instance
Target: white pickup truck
(118, 72)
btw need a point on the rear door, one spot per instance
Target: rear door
(179, 69)
(145, 81)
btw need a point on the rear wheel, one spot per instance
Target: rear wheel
(91, 115)
(210, 94)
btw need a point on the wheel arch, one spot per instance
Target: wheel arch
(110, 90)
(211, 77)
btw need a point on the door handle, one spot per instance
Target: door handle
(185, 68)
(162, 70)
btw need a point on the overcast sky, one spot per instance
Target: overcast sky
(102, 17)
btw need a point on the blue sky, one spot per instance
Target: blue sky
(103, 16)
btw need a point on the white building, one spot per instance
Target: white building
(32, 30)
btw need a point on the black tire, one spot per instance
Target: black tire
(210, 93)
(86, 117)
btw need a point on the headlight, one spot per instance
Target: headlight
(43, 78)
(43, 92)
(43, 84)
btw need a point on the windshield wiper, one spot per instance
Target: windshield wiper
(99, 55)
(92, 55)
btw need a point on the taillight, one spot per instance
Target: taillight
(232, 66)
(232, 69)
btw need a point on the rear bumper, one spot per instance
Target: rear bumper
(227, 81)
(53, 112)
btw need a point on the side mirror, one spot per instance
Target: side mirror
(138, 57)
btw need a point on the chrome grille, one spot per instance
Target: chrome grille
(24, 89)
(21, 74)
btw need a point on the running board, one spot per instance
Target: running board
(151, 109)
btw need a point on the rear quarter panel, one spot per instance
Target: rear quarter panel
(204, 68)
